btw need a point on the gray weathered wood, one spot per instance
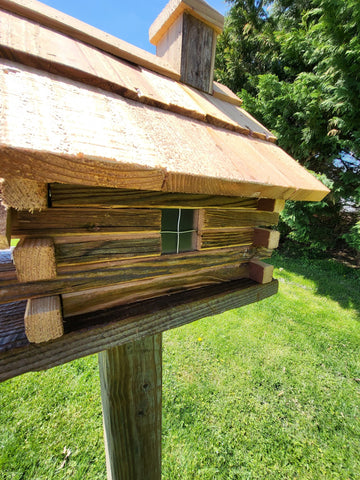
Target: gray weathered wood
(197, 53)
(130, 378)
(92, 333)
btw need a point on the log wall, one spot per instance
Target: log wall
(107, 246)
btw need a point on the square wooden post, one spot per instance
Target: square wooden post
(131, 381)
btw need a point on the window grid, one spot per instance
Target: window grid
(178, 231)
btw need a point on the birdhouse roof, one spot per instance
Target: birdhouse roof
(81, 106)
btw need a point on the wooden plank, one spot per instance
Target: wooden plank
(5, 227)
(197, 64)
(43, 319)
(76, 29)
(34, 259)
(131, 380)
(36, 46)
(92, 333)
(82, 195)
(222, 218)
(226, 237)
(102, 139)
(75, 279)
(58, 221)
(103, 249)
(22, 194)
(264, 237)
(224, 93)
(260, 272)
(129, 292)
(271, 205)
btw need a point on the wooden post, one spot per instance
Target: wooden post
(130, 378)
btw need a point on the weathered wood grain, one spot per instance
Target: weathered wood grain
(58, 221)
(221, 218)
(92, 333)
(88, 34)
(43, 319)
(135, 269)
(197, 53)
(5, 227)
(103, 249)
(129, 292)
(22, 194)
(34, 259)
(260, 272)
(64, 195)
(227, 237)
(102, 139)
(131, 380)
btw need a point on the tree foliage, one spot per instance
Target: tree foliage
(296, 65)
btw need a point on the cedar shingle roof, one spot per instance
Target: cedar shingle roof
(79, 106)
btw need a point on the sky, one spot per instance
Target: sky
(128, 20)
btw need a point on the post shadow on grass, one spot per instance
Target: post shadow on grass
(333, 279)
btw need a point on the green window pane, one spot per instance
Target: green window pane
(185, 242)
(168, 242)
(186, 220)
(169, 219)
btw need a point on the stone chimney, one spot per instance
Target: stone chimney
(185, 36)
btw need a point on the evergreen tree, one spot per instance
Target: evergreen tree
(296, 64)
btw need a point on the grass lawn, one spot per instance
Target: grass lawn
(269, 391)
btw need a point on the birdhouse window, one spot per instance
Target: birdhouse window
(178, 230)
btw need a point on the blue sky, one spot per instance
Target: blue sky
(128, 20)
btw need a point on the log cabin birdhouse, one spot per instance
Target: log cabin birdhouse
(142, 195)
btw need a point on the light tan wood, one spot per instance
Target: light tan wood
(271, 205)
(61, 221)
(22, 194)
(263, 237)
(260, 272)
(74, 28)
(36, 46)
(136, 145)
(5, 227)
(34, 259)
(224, 93)
(131, 380)
(174, 8)
(170, 46)
(43, 319)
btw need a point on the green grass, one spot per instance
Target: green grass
(269, 391)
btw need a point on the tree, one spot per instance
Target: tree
(296, 64)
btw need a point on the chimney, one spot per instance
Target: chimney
(185, 36)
